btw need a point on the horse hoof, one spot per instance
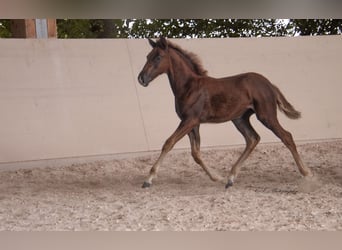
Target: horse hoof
(146, 184)
(229, 184)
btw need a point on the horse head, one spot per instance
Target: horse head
(157, 61)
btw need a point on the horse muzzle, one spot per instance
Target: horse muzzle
(143, 79)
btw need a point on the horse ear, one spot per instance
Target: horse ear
(152, 43)
(163, 43)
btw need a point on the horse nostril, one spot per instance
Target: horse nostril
(140, 79)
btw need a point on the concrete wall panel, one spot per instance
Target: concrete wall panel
(67, 98)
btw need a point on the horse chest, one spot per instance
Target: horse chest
(183, 109)
(190, 105)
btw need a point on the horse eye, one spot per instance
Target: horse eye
(157, 58)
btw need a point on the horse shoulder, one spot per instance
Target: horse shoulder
(192, 99)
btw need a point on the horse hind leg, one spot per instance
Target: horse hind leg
(269, 119)
(195, 142)
(252, 139)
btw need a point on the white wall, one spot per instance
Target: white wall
(75, 98)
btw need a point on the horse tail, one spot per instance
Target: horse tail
(284, 105)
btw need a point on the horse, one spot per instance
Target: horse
(200, 98)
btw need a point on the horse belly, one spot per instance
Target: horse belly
(222, 108)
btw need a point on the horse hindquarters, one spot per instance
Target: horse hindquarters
(266, 112)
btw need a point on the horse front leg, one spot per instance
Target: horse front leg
(195, 142)
(184, 128)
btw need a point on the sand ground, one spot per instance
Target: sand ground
(269, 193)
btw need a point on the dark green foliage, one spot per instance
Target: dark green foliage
(203, 28)
(200, 28)
(5, 29)
(89, 28)
(190, 28)
(305, 27)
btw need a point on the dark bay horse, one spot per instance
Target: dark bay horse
(200, 98)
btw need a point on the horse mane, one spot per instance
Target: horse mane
(192, 59)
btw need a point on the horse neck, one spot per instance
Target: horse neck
(179, 73)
